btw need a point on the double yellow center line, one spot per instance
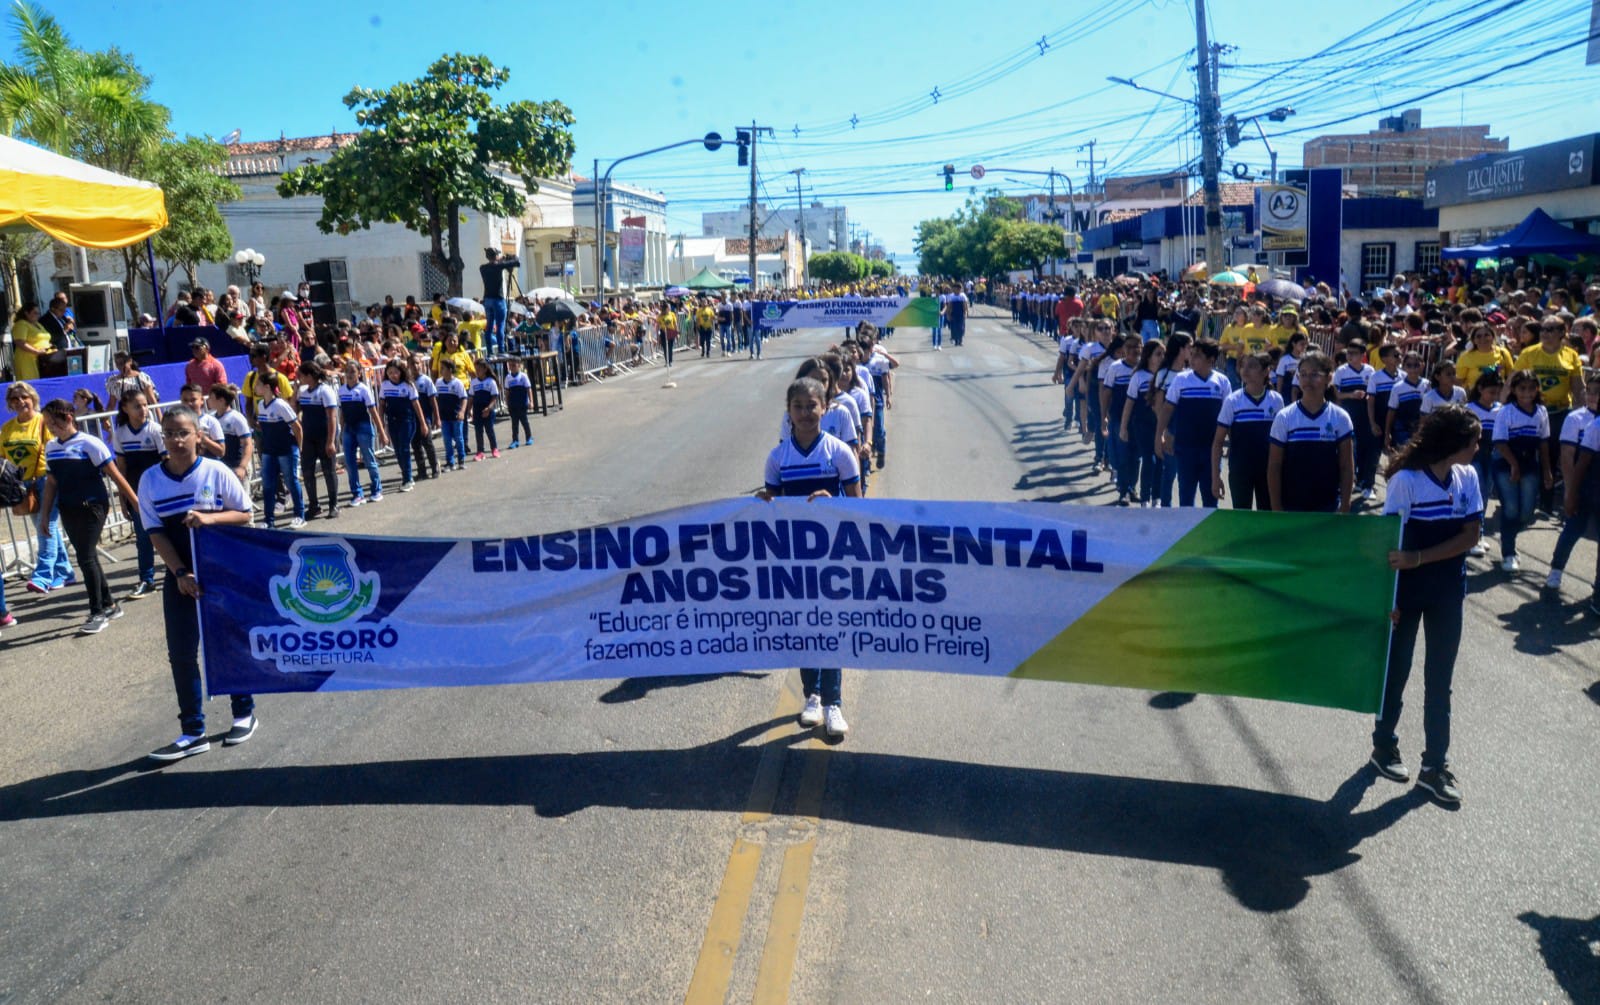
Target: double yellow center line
(713, 971)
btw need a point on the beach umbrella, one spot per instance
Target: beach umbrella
(554, 311)
(1229, 278)
(677, 291)
(548, 293)
(464, 304)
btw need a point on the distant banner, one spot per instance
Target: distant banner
(1292, 607)
(837, 312)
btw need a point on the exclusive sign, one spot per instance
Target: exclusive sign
(1548, 168)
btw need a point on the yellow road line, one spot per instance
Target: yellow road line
(714, 968)
(789, 906)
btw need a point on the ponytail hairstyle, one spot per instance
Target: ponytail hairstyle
(60, 410)
(1444, 432)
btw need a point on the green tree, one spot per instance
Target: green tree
(91, 106)
(838, 267)
(1023, 244)
(188, 171)
(432, 148)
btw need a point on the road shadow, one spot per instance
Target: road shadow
(1267, 845)
(634, 688)
(1168, 700)
(1542, 626)
(1593, 691)
(1571, 949)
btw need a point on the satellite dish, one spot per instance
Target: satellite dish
(233, 137)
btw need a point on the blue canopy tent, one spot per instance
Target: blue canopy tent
(1537, 235)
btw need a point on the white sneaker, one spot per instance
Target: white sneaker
(833, 721)
(406, 486)
(811, 715)
(1553, 581)
(1478, 550)
(296, 523)
(1510, 564)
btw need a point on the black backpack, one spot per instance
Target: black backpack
(13, 489)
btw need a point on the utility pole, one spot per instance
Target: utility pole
(1211, 155)
(1091, 163)
(800, 203)
(1052, 214)
(755, 130)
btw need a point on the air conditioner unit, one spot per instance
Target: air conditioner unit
(101, 316)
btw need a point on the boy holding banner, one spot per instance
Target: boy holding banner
(186, 491)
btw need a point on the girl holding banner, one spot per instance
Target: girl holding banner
(813, 465)
(1434, 490)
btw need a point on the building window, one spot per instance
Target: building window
(1377, 264)
(434, 279)
(1427, 256)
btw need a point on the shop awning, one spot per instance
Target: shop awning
(75, 202)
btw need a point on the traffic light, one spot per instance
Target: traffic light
(743, 136)
(1230, 127)
(949, 177)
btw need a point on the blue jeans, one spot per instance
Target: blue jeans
(1194, 472)
(52, 568)
(360, 439)
(401, 434)
(880, 432)
(1518, 500)
(938, 334)
(1149, 330)
(827, 684)
(1441, 623)
(494, 316)
(757, 336)
(455, 441)
(182, 615)
(146, 551)
(287, 465)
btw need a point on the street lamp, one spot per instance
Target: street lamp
(251, 261)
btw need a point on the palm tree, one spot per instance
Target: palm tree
(91, 106)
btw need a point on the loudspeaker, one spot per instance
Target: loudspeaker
(329, 270)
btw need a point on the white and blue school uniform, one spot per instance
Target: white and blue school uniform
(1286, 376)
(452, 393)
(483, 391)
(235, 430)
(1311, 442)
(1405, 402)
(1351, 379)
(316, 405)
(209, 486)
(1483, 463)
(1523, 434)
(1196, 402)
(835, 422)
(77, 465)
(355, 416)
(209, 427)
(1432, 399)
(1380, 383)
(400, 403)
(1573, 425)
(425, 394)
(140, 449)
(275, 421)
(1248, 421)
(1428, 597)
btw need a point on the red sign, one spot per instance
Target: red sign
(633, 221)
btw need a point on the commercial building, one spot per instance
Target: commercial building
(1394, 159)
(826, 228)
(1486, 196)
(642, 254)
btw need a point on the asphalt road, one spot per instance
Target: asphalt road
(681, 841)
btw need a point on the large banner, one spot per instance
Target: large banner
(837, 312)
(1267, 605)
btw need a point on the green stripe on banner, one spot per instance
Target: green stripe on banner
(919, 313)
(1291, 606)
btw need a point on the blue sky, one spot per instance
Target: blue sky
(639, 75)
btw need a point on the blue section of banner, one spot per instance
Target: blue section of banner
(285, 571)
(835, 312)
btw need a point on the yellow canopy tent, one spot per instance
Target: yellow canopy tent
(74, 202)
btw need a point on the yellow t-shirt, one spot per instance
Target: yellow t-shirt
(668, 322)
(705, 317)
(1472, 363)
(23, 445)
(248, 388)
(25, 332)
(1109, 304)
(461, 358)
(1555, 372)
(1256, 337)
(471, 333)
(1233, 341)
